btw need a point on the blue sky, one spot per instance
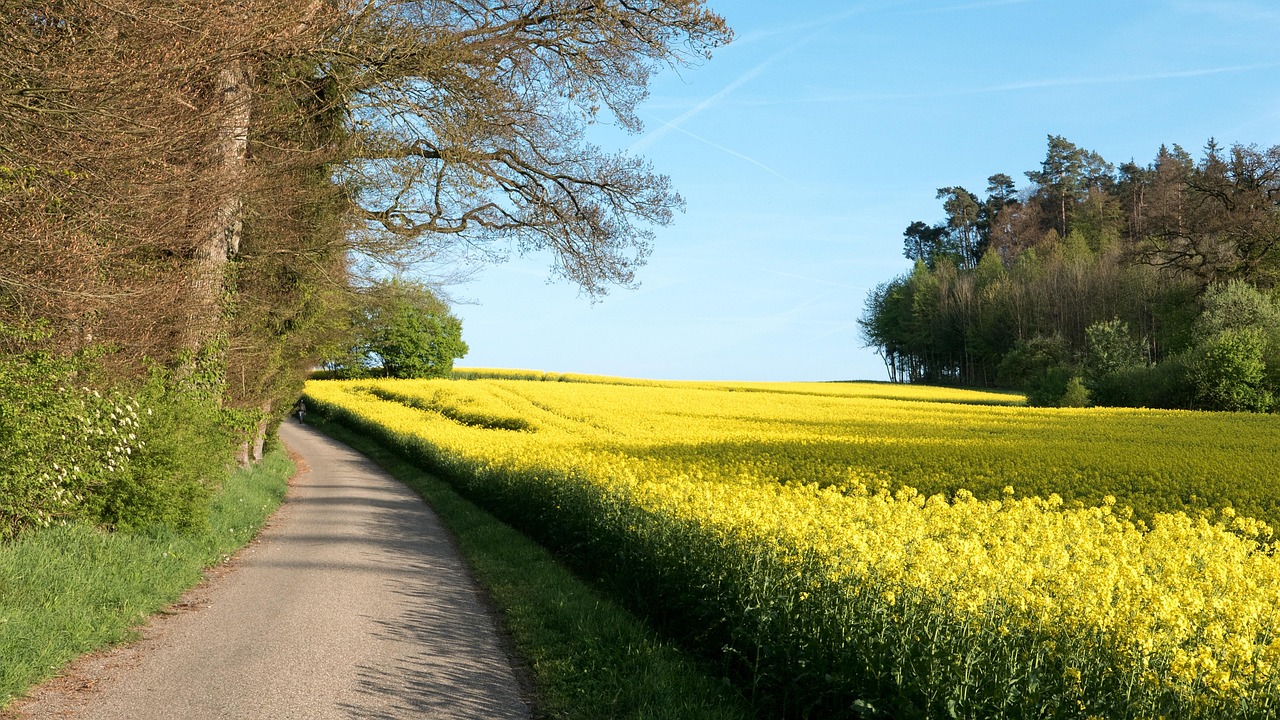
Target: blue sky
(805, 147)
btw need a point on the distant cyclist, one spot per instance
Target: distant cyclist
(301, 410)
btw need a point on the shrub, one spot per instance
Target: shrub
(1111, 349)
(42, 413)
(1164, 385)
(1228, 372)
(1041, 367)
(1032, 360)
(1236, 305)
(186, 442)
(1075, 394)
(72, 449)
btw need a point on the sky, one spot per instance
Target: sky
(806, 146)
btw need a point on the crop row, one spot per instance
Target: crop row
(774, 530)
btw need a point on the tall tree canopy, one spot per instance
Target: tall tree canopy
(1115, 271)
(204, 186)
(467, 124)
(152, 151)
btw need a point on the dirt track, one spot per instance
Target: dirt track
(353, 603)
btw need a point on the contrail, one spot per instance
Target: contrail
(730, 151)
(809, 279)
(1113, 79)
(649, 139)
(643, 143)
(973, 6)
(822, 22)
(1015, 86)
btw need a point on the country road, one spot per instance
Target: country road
(353, 603)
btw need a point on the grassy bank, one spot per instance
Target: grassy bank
(589, 658)
(68, 590)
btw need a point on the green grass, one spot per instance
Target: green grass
(589, 658)
(68, 590)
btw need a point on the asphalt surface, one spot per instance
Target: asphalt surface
(353, 603)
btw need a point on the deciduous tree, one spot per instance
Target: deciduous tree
(467, 122)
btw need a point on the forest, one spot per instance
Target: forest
(1096, 284)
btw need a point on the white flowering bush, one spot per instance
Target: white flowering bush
(72, 452)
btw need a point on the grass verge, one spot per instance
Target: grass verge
(589, 658)
(68, 590)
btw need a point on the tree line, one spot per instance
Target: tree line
(1122, 285)
(197, 202)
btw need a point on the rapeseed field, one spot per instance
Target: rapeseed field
(867, 550)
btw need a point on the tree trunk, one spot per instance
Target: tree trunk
(220, 239)
(260, 435)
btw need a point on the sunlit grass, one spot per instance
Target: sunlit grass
(67, 590)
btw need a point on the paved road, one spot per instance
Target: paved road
(353, 604)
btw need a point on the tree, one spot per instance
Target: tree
(1215, 220)
(405, 329)
(963, 214)
(1228, 372)
(184, 181)
(1066, 175)
(1001, 193)
(467, 123)
(1075, 394)
(1111, 349)
(884, 320)
(1237, 305)
(924, 243)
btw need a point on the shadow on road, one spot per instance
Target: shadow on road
(448, 659)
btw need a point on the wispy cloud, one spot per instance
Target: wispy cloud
(983, 4)
(722, 148)
(818, 26)
(1035, 84)
(809, 279)
(1124, 78)
(865, 8)
(707, 103)
(1232, 11)
(820, 23)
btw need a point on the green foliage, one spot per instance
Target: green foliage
(1075, 394)
(1228, 372)
(414, 343)
(1164, 385)
(185, 439)
(1042, 367)
(1231, 366)
(72, 588)
(1048, 386)
(1129, 267)
(290, 278)
(1111, 349)
(403, 327)
(1236, 305)
(73, 449)
(1035, 366)
(43, 472)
